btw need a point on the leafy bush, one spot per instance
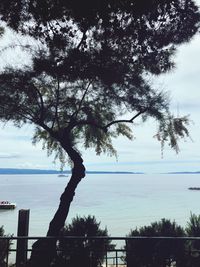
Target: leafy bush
(193, 229)
(193, 226)
(76, 253)
(156, 252)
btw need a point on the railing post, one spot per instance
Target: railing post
(22, 245)
(116, 258)
(106, 258)
(127, 254)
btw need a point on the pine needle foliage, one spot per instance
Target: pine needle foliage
(171, 130)
(88, 252)
(156, 252)
(90, 66)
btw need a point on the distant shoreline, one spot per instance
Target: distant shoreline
(197, 172)
(35, 171)
(10, 171)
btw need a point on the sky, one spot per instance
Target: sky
(143, 154)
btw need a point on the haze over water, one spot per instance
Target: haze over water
(119, 201)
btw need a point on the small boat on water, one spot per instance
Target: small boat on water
(194, 188)
(7, 205)
(62, 175)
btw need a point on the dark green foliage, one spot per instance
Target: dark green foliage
(193, 229)
(91, 68)
(76, 253)
(193, 226)
(4, 247)
(156, 253)
(172, 129)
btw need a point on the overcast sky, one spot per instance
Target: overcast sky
(143, 153)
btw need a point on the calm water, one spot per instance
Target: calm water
(120, 202)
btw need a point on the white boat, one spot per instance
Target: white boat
(62, 175)
(7, 205)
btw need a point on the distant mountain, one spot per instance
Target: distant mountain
(109, 172)
(197, 172)
(27, 171)
(37, 171)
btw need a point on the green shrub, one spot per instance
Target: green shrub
(154, 252)
(193, 246)
(76, 253)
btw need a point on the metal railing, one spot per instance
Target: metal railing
(115, 251)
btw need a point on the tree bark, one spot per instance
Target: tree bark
(44, 251)
(78, 172)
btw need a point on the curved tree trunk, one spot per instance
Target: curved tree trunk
(44, 251)
(78, 172)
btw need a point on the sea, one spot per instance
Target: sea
(121, 202)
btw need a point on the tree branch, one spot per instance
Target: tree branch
(82, 99)
(104, 128)
(24, 114)
(41, 105)
(82, 39)
(87, 122)
(56, 119)
(125, 121)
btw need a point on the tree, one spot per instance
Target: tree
(75, 253)
(89, 77)
(153, 252)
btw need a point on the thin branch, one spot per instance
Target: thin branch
(22, 114)
(86, 122)
(82, 39)
(103, 128)
(126, 121)
(49, 130)
(41, 105)
(82, 99)
(56, 119)
(28, 112)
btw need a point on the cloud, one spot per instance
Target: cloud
(9, 156)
